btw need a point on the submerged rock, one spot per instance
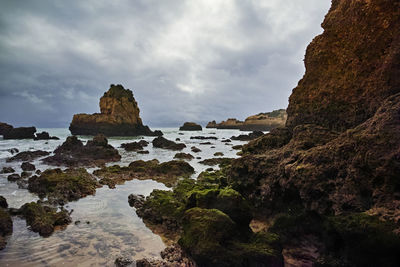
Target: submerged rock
(119, 116)
(20, 133)
(13, 177)
(73, 153)
(166, 172)
(28, 155)
(204, 137)
(190, 126)
(161, 142)
(216, 161)
(195, 149)
(63, 186)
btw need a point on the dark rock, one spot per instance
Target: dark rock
(3, 202)
(206, 143)
(20, 133)
(218, 154)
(177, 139)
(183, 156)
(6, 227)
(216, 161)
(190, 126)
(143, 152)
(195, 149)
(73, 153)
(7, 170)
(161, 142)
(226, 141)
(25, 174)
(237, 147)
(4, 127)
(122, 261)
(28, 155)
(204, 137)
(22, 184)
(13, 177)
(119, 116)
(45, 136)
(67, 185)
(13, 150)
(248, 137)
(26, 166)
(136, 200)
(43, 219)
(134, 146)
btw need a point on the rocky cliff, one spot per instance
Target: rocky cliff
(260, 122)
(119, 116)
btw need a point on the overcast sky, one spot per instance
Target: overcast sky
(194, 60)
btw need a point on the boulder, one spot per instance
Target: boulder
(134, 146)
(190, 126)
(13, 177)
(26, 166)
(6, 227)
(20, 133)
(248, 137)
(3, 202)
(161, 142)
(119, 116)
(45, 136)
(73, 153)
(186, 156)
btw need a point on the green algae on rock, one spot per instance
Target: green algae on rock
(44, 219)
(63, 186)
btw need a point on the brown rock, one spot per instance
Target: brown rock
(190, 126)
(119, 116)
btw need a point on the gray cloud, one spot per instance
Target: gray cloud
(184, 60)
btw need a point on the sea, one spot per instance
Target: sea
(104, 226)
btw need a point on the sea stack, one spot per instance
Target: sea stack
(119, 116)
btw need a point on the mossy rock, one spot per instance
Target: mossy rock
(226, 200)
(43, 219)
(67, 185)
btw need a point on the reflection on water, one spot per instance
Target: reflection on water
(104, 226)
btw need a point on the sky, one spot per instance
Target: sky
(187, 60)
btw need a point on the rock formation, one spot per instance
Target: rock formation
(119, 116)
(4, 127)
(325, 189)
(190, 126)
(260, 122)
(20, 133)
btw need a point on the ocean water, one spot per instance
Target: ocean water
(104, 225)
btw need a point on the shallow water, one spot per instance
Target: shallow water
(104, 226)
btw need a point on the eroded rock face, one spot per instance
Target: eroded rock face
(265, 121)
(161, 142)
(4, 127)
(119, 116)
(351, 68)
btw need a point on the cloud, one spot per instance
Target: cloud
(184, 60)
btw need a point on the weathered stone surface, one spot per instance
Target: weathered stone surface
(161, 142)
(351, 68)
(73, 153)
(186, 156)
(7, 170)
(6, 226)
(190, 126)
(20, 133)
(119, 116)
(265, 121)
